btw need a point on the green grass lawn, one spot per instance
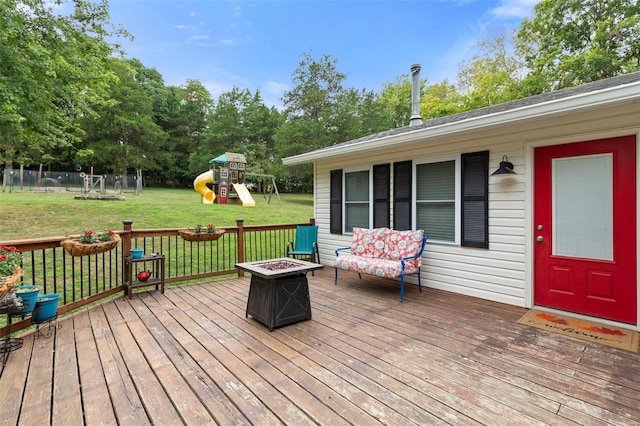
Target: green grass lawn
(30, 215)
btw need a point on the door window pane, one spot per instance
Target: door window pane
(583, 207)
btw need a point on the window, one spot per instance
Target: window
(452, 199)
(356, 200)
(366, 200)
(448, 198)
(436, 200)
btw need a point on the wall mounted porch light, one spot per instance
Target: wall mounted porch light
(506, 167)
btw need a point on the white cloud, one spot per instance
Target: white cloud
(272, 92)
(185, 27)
(227, 42)
(216, 88)
(519, 9)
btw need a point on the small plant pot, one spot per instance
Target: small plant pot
(136, 253)
(46, 308)
(29, 295)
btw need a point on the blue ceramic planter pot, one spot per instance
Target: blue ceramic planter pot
(28, 294)
(46, 308)
(136, 253)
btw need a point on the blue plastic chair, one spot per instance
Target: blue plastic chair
(306, 244)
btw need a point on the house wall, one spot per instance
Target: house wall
(503, 272)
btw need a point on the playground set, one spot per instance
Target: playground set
(227, 176)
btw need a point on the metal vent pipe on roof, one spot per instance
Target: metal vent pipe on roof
(415, 119)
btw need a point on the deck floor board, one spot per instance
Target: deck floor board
(191, 356)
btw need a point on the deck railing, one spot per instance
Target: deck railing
(87, 279)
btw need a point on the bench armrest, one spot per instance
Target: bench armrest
(342, 249)
(419, 254)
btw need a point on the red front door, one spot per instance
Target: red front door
(585, 228)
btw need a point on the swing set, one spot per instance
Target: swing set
(266, 186)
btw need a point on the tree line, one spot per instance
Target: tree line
(69, 96)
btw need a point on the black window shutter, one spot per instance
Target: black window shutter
(335, 202)
(381, 195)
(475, 199)
(402, 172)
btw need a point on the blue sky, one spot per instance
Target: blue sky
(258, 44)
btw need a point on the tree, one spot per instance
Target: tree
(240, 122)
(320, 112)
(570, 42)
(395, 100)
(123, 135)
(441, 99)
(312, 106)
(491, 76)
(54, 70)
(436, 100)
(188, 116)
(262, 123)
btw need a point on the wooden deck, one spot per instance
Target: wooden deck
(191, 357)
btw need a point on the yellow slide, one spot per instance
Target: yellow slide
(200, 185)
(245, 196)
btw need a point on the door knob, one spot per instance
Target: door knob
(539, 238)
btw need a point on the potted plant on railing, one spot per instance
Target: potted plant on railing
(10, 270)
(91, 243)
(198, 233)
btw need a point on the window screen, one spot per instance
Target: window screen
(436, 199)
(356, 199)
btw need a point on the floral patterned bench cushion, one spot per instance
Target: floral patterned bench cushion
(379, 267)
(399, 244)
(368, 242)
(379, 251)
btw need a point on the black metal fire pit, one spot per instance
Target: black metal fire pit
(279, 291)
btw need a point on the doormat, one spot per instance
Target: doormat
(586, 330)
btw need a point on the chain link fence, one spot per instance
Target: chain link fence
(34, 181)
